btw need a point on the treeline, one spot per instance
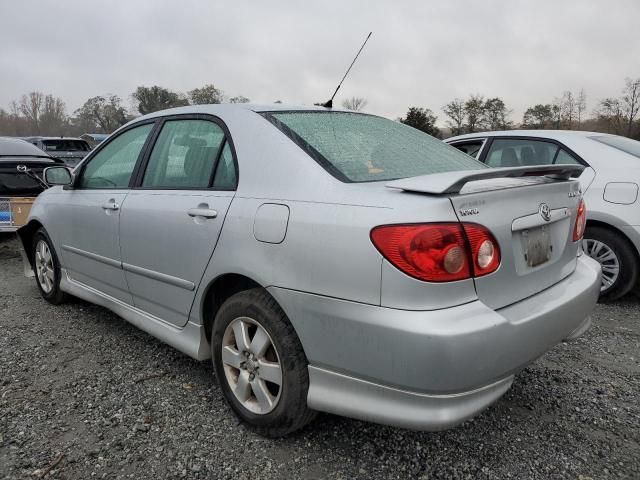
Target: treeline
(618, 114)
(37, 113)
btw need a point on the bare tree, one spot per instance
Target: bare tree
(567, 105)
(610, 113)
(53, 118)
(30, 106)
(456, 112)
(630, 103)
(355, 103)
(581, 105)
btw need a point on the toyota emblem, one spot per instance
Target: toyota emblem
(545, 211)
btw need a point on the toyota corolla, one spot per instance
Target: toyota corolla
(325, 260)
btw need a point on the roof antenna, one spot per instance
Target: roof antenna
(329, 103)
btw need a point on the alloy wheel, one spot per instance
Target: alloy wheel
(606, 257)
(251, 365)
(44, 266)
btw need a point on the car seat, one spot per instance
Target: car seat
(509, 158)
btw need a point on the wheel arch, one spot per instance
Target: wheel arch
(620, 233)
(223, 287)
(617, 231)
(26, 234)
(217, 292)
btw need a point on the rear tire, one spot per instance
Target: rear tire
(249, 375)
(46, 267)
(617, 258)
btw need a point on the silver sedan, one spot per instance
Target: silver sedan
(609, 183)
(325, 260)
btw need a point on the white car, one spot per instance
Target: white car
(609, 183)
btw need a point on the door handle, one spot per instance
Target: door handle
(110, 205)
(202, 212)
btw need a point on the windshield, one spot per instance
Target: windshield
(632, 147)
(355, 147)
(66, 145)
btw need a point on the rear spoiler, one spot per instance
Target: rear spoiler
(452, 182)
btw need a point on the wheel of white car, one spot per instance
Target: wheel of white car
(260, 364)
(46, 267)
(617, 259)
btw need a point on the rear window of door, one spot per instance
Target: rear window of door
(184, 155)
(226, 176)
(526, 152)
(112, 166)
(470, 148)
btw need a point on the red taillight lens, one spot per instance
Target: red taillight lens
(430, 252)
(438, 252)
(581, 221)
(485, 251)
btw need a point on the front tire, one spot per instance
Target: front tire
(47, 268)
(617, 259)
(260, 364)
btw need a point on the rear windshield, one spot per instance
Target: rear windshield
(66, 145)
(363, 148)
(632, 147)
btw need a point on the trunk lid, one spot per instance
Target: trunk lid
(536, 241)
(16, 183)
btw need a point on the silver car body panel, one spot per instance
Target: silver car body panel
(442, 351)
(304, 236)
(86, 237)
(353, 397)
(189, 339)
(153, 224)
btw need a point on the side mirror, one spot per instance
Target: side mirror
(57, 176)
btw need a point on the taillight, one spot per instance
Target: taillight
(484, 249)
(438, 252)
(581, 221)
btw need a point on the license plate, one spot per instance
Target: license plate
(538, 246)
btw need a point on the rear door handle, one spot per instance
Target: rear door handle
(110, 205)
(202, 212)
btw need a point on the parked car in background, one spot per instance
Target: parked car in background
(68, 149)
(609, 184)
(21, 164)
(94, 139)
(327, 260)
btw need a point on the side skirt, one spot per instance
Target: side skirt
(190, 340)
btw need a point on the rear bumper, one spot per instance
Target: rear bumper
(431, 369)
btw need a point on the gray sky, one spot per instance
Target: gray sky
(422, 53)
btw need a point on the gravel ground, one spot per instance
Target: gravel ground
(82, 389)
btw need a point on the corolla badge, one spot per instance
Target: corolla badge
(545, 211)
